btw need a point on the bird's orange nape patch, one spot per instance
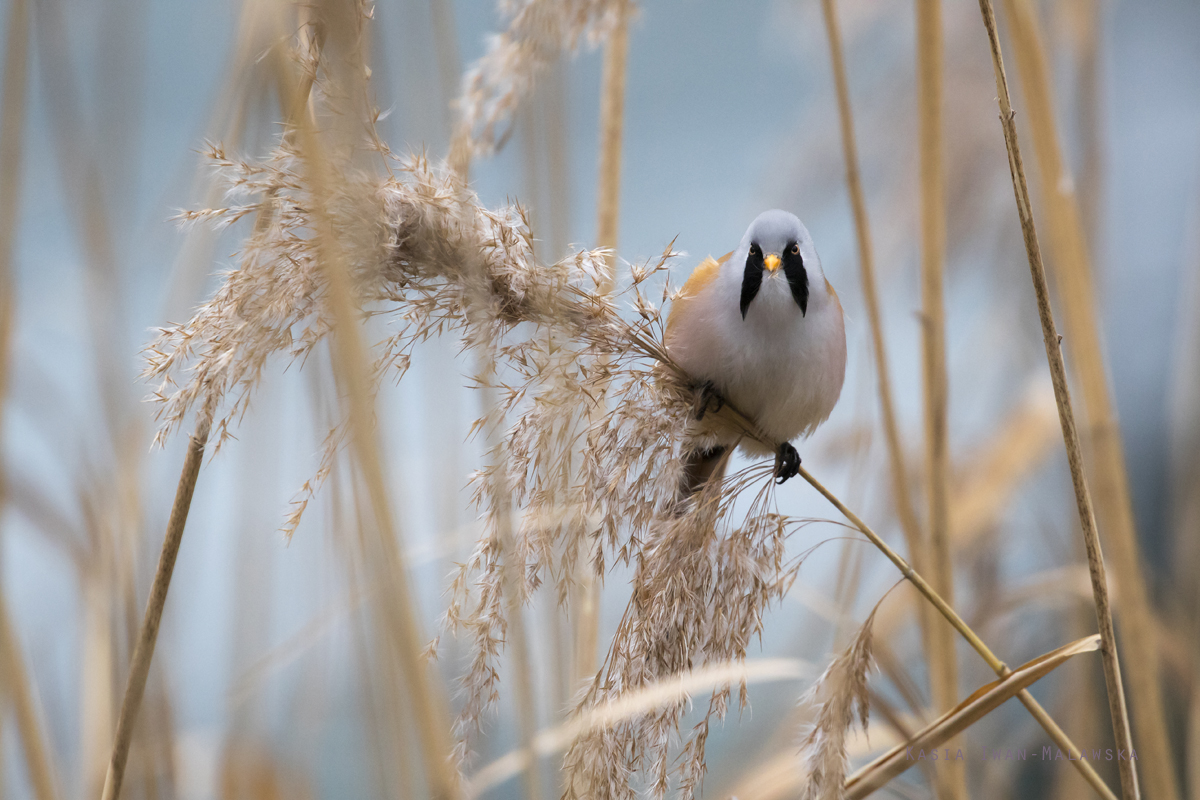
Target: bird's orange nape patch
(704, 274)
(833, 293)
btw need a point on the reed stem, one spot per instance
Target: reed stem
(608, 207)
(378, 536)
(612, 123)
(143, 652)
(1057, 734)
(1083, 501)
(943, 667)
(1071, 268)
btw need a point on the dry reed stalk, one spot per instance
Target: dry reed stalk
(612, 121)
(901, 496)
(943, 666)
(1072, 270)
(14, 678)
(1086, 16)
(383, 553)
(1087, 520)
(999, 667)
(143, 653)
(608, 207)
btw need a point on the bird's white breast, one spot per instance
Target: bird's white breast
(781, 367)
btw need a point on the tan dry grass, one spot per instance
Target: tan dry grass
(420, 248)
(1087, 521)
(943, 663)
(1072, 271)
(423, 255)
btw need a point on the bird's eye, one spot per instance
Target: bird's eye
(754, 250)
(795, 249)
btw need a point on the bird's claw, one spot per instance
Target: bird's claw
(787, 463)
(707, 399)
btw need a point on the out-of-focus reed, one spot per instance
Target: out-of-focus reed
(582, 419)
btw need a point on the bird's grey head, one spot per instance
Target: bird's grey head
(777, 240)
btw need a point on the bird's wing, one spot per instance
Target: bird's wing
(700, 278)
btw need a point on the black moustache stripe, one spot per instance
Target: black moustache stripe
(751, 279)
(797, 276)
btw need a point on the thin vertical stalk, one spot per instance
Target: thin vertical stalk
(1083, 501)
(608, 206)
(1072, 270)
(143, 652)
(943, 667)
(612, 122)
(899, 484)
(901, 497)
(1088, 16)
(379, 535)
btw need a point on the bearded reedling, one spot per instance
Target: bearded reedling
(762, 328)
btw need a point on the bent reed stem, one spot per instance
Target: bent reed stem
(1001, 669)
(143, 652)
(1062, 395)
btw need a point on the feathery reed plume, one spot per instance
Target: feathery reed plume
(538, 32)
(1071, 268)
(1087, 520)
(699, 595)
(426, 253)
(844, 699)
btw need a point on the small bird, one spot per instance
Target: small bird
(763, 329)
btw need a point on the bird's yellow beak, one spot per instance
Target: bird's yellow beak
(771, 262)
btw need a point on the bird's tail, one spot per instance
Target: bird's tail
(700, 467)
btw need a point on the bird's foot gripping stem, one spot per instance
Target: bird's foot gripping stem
(787, 463)
(707, 399)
